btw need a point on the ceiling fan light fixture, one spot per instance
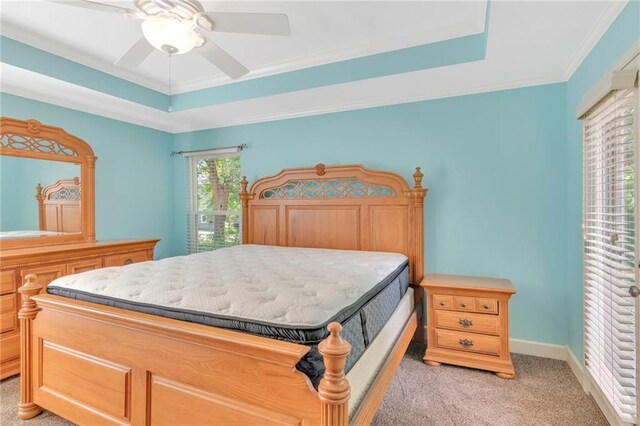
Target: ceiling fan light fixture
(170, 35)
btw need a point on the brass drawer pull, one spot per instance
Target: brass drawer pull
(466, 342)
(465, 322)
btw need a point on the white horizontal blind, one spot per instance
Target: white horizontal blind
(610, 250)
(213, 216)
(211, 230)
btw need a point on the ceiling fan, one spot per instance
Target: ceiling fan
(176, 26)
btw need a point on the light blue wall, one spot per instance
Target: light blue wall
(448, 52)
(616, 42)
(134, 177)
(504, 171)
(18, 179)
(495, 168)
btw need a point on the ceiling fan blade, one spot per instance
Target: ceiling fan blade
(136, 54)
(102, 7)
(250, 23)
(221, 59)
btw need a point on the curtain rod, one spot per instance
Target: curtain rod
(240, 147)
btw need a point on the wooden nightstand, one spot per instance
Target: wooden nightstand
(468, 322)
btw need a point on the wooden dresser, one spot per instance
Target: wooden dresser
(468, 322)
(49, 263)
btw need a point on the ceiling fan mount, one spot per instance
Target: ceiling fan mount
(176, 27)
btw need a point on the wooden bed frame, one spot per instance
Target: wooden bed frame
(59, 206)
(94, 364)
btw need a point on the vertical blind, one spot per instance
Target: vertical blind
(610, 250)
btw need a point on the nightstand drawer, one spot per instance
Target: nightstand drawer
(475, 323)
(441, 301)
(488, 306)
(463, 303)
(468, 342)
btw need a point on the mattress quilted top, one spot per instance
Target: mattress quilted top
(265, 284)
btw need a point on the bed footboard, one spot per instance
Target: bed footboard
(94, 364)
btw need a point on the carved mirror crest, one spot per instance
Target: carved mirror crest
(73, 198)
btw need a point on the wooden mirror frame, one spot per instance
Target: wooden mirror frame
(32, 139)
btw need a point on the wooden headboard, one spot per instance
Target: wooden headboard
(341, 207)
(59, 206)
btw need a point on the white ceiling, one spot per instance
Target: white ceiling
(529, 43)
(322, 32)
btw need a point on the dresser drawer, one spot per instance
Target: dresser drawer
(7, 282)
(441, 301)
(468, 342)
(476, 323)
(9, 346)
(126, 258)
(8, 313)
(489, 306)
(45, 274)
(83, 266)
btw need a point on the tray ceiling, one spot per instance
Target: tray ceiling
(322, 32)
(525, 43)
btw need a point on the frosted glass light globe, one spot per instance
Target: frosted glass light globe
(170, 35)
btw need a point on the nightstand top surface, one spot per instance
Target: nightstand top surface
(501, 285)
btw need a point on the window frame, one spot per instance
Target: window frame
(624, 76)
(192, 230)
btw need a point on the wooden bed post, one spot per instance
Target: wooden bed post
(244, 196)
(40, 200)
(88, 197)
(417, 195)
(334, 390)
(26, 408)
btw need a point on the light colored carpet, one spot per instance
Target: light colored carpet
(545, 393)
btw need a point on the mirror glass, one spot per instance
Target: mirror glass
(38, 198)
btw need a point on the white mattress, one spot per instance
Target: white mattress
(364, 372)
(266, 284)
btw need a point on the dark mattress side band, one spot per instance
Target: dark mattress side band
(291, 333)
(361, 329)
(361, 321)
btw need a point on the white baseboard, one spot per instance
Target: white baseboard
(548, 350)
(577, 368)
(564, 353)
(545, 350)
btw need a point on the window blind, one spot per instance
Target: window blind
(610, 250)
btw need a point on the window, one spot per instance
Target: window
(214, 212)
(610, 228)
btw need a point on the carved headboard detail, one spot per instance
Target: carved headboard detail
(340, 207)
(59, 206)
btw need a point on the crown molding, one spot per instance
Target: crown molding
(83, 58)
(448, 32)
(595, 34)
(28, 84)
(31, 85)
(373, 103)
